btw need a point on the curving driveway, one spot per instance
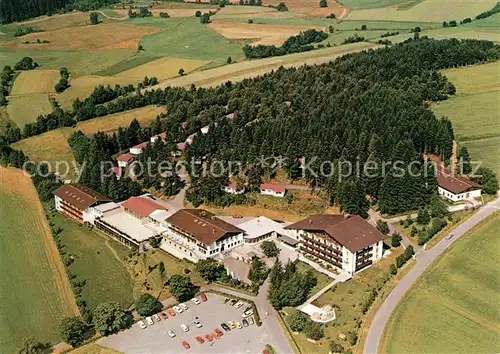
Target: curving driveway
(424, 259)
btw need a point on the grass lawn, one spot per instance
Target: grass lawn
(458, 295)
(186, 38)
(35, 293)
(99, 260)
(24, 109)
(474, 111)
(93, 348)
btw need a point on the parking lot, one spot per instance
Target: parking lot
(213, 312)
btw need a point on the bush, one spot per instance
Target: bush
(269, 249)
(164, 15)
(250, 20)
(393, 269)
(396, 240)
(336, 347)
(297, 321)
(314, 331)
(323, 3)
(364, 28)
(352, 337)
(383, 227)
(331, 16)
(197, 13)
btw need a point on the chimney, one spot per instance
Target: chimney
(310, 221)
(203, 213)
(346, 216)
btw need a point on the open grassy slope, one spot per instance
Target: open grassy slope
(34, 290)
(24, 109)
(475, 111)
(453, 307)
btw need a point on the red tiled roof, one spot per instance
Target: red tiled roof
(181, 146)
(274, 187)
(125, 157)
(142, 206)
(454, 183)
(353, 232)
(232, 186)
(79, 196)
(163, 135)
(140, 146)
(117, 171)
(230, 116)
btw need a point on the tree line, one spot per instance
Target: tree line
(295, 44)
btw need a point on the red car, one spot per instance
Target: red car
(186, 345)
(171, 312)
(203, 297)
(218, 332)
(163, 315)
(200, 340)
(209, 337)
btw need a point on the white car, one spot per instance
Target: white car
(449, 237)
(183, 306)
(156, 318)
(171, 334)
(197, 323)
(149, 321)
(247, 314)
(177, 309)
(142, 324)
(238, 304)
(195, 301)
(184, 327)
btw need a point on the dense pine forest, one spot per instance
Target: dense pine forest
(20, 10)
(368, 106)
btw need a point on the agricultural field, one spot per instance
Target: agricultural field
(458, 295)
(34, 285)
(373, 4)
(474, 111)
(162, 69)
(35, 81)
(424, 10)
(99, 260)
(24, 109)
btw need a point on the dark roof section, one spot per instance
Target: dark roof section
(454, 183)
(202, 225)
(353, 232)
(80, 196)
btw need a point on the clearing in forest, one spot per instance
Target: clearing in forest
(86, 38)
(35, 81)
(34, 286)
(427, 11)
(453, 306)
(162, 69)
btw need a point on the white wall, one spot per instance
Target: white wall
(458, 197)
(271, 192)
(122, 163)
(135, 151)
(57, 201)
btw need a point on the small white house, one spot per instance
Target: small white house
(162, 136)
(190, 139)
(232, 188)
(456, 188)
(124, 160)
(275, 190)
(205, 129)
(136, 150)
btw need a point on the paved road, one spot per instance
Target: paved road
(424, 259)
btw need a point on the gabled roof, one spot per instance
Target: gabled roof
(140, 146)
(261, 226)
(117, 171)
(181, 146)
(202, 225)
(142, 206)
(80, 196)
(454, 183)
(353, 232)
(125, 157)
(274, 187)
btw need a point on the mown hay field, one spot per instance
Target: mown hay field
(86, 38)
(24, 109)
(35, 291)
(453, 307)
(311, 8)
(99, 260)
(35, 81)
(475, 111)
(426, 11)
(163, 68)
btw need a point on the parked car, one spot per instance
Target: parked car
(449, 237)
(171, 312)
(177, 309)
(200, 340)
(183, 306)
(142, 324)
(231, 324)
(219, 332)
(156, 318)
(209, 337)
(186, 345)
(197, 324)
(245, 323)
(149, 321)
(238, 325)
(163, 315)
(171, 334)
(184, 327)
(238, 304)
(247, 314)
(232, 302)
(225, 327)
(250, 320)
(203, 297)
(195, 301)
